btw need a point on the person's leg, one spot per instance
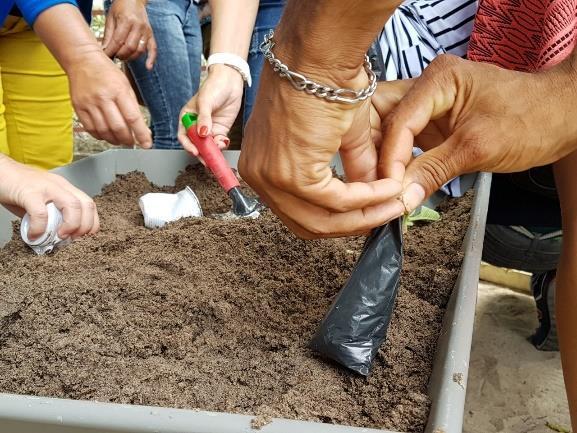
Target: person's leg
(566, 294)
(269, 13)
(168, 86)
(38, 111)
(193, 37)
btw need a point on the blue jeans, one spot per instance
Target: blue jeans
(175, 76)
(269, 13)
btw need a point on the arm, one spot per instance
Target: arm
(476, 117)
(292, 136)
(101, 95)
(219, 99)
(32, 8)
(566, 284)
(232, 24)
(25, 189)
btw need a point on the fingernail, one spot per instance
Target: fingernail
(203, 131)
(413, 195)
(226, 141)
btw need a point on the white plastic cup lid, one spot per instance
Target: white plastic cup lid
(49, 239)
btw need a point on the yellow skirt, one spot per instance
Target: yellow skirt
(35, 107)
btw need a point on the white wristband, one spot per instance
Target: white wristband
(234, 61)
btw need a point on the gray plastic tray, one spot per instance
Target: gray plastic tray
(30, 414)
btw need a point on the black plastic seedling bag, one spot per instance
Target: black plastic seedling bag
(356, 324)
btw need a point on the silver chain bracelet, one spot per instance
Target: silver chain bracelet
(300, 82)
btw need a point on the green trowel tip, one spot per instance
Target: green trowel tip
(189, 119)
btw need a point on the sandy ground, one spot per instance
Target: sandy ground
(512, 388)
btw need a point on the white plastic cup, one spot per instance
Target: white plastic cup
(158, 209)
(48, 241)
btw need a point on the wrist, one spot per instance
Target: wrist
(231, 61)
(311, 57)
(225, 73)
(80, 56)
(347, 86)
(333, 40)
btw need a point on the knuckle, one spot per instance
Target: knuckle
(437, 171)
(473, 147)
(41, 214)
(117, 127)
(89, 204)
(73, 203)
(281, 181)
(443, 62)
(132, 117)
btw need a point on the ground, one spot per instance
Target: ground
(512, 387)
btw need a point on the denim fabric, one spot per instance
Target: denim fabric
(269, 13)
(175, 77)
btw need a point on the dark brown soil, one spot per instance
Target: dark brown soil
(216, 315)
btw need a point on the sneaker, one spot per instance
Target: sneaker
(543, 287)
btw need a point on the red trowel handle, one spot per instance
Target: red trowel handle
(213, 158)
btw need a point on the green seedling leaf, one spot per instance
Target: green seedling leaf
(422, 213)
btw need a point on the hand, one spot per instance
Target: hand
(27, 190)
(105, 102)
(470, 117)
(127, 32)
(217, 104)
(288, 146)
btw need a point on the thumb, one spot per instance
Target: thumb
(430, 97)
(204, 116)
(35, 206)
(431, 170)
(152, 50)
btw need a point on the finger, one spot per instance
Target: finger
(357, 150)
(109, 26)
(310, 222)
(96, 223)
(87, 122)
(118, 126)
(133, 47)
(222, 141)
(88, 210)
(71, 208)
(87, 219)
(335, 195)
(103, 132)
(389, 93)
(429, 97)
(35, 207)
(152, 52)
(204, 107)
(130, 111)
(360, 162)
(121, 31)
(433, 169)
